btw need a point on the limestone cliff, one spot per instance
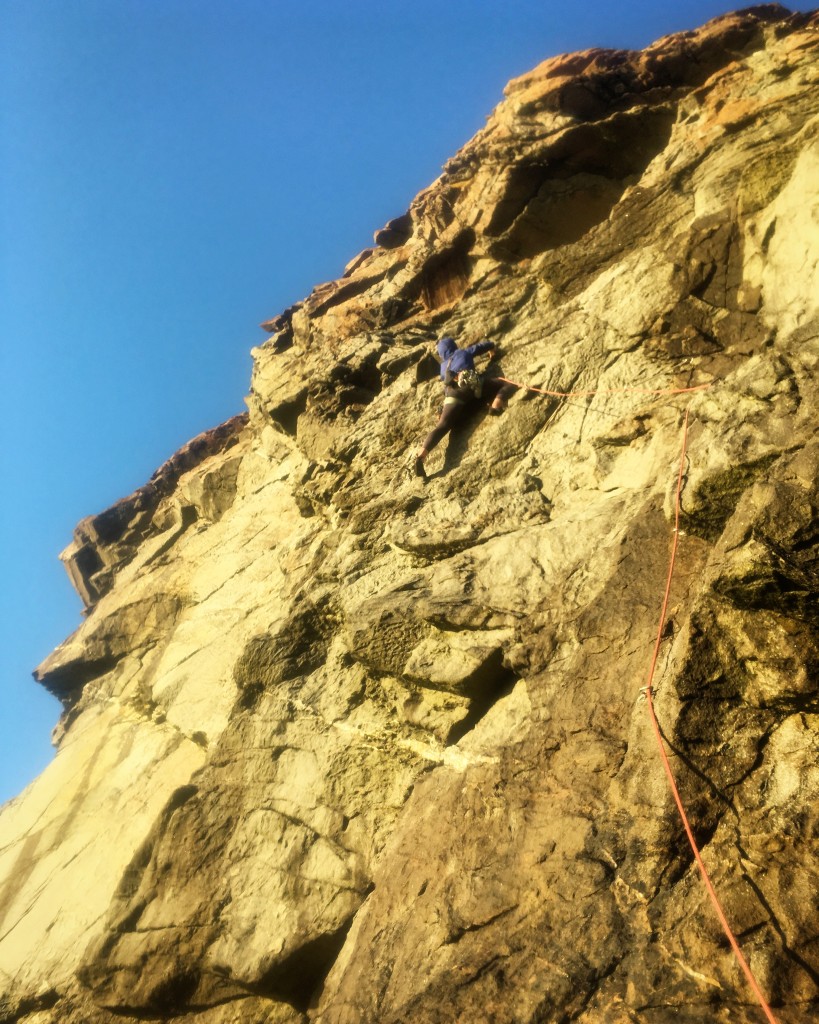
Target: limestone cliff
(343, 745)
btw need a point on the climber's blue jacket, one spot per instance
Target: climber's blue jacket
(456, 359)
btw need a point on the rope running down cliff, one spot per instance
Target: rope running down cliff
(666, 764)
(648, 691)
(648, 688)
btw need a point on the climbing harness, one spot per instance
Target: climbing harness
(470, 380)
(464, 380)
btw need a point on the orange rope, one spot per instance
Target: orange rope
(607, 391)
(708, 884)
(666, 764)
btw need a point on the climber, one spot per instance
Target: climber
(464, 388)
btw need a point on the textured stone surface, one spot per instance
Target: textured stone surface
(341, 745)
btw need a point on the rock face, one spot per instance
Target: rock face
(342, 745)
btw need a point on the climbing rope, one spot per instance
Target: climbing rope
(648, 688)
(652, 669)
(607, 391)
(666, 764)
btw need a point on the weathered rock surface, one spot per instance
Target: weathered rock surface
(344, 746)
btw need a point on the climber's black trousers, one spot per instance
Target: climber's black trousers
(451, 414)
(454, 412)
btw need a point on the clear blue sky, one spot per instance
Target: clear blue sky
(173, 172)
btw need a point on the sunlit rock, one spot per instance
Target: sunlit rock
(344, 745)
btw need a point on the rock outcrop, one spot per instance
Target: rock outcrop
(343, 745)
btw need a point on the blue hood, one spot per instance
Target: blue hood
(446, 346)
(456, 359)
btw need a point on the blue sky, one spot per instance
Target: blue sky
(173, 172)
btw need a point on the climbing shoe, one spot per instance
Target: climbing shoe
(419, 469)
